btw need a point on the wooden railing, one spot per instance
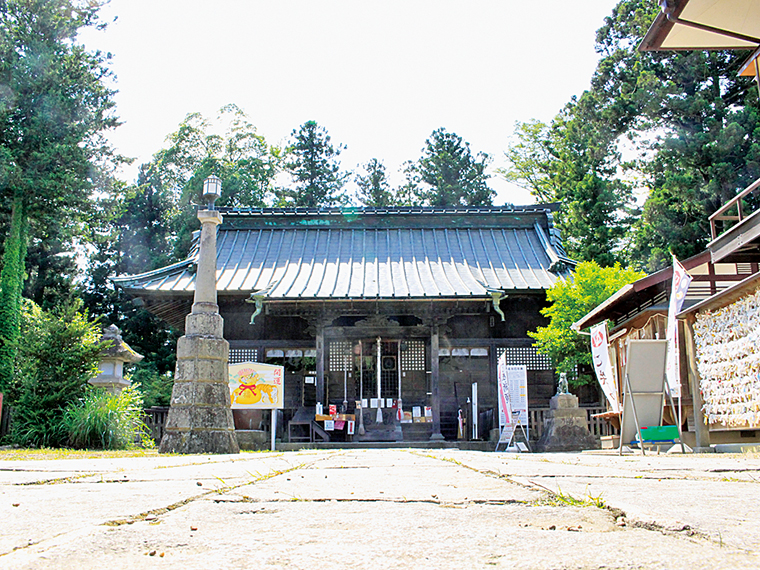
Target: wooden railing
(155, 419)
(597, 426)
(734, 203)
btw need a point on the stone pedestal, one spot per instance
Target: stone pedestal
(200, 419)
(566, 427)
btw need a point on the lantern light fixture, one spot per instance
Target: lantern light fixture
(212, 190)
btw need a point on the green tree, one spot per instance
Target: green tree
(574, 161)
(54, 107)
(570, 301)
(374, 189)
(530, 161)
(130, 232)
(59, 355)
(241, 157)
(448, 174)
(692, 122)
(312, 162)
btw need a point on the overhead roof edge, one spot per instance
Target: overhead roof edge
(725, 297)
(685, 25)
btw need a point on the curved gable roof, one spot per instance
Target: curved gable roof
(368, 253)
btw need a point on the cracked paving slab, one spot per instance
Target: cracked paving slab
(711, 495)
(35, 511)
(366, 508)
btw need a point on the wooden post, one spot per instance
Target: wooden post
(702, 430)
(320, 395)
(434, 387)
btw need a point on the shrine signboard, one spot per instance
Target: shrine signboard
(254, 385)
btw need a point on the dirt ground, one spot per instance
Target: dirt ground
(391, 508)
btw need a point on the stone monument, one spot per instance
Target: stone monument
(565, 426)
(200, 418)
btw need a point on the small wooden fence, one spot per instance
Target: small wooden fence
(155, 419)
(597, 426)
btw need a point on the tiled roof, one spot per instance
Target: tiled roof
(368, 253)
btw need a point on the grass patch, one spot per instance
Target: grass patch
(47, 453)
(560, 499)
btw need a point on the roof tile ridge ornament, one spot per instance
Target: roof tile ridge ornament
(555, 239)
(257, 298)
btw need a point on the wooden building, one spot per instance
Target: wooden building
(725, 277)
(723, 330)
(639, 310)
(399, 304)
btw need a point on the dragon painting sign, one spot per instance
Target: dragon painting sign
(256, 386)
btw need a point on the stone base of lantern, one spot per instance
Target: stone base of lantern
(112, 384)
(565, 427)
(200, 419)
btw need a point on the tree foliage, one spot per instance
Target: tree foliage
(690, 120)
(570, 301)
(59, 355)
(374, 189)
(241, 157)
(312, 162)
(531, 160)
(694, 122)
(448, 174)
(54, 107)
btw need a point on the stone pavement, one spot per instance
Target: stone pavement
(388, 508)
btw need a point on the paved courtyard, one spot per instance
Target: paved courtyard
(382, 509)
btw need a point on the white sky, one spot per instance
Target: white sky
(380, 76)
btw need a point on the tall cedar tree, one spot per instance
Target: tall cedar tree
(54, 107)
(241, 157)
(448, 174)
(374, 189)
(695, 126)
(574, 161)
(130, 233)
(695, 122)
(312, 162)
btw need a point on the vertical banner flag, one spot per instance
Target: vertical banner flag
(513, 398)
(517, 378)
(506, 424)
(601, 356)
(505, 406)
(681, 282)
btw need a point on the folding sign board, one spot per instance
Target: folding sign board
(643, 387)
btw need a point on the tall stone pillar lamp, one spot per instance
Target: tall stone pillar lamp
(114, 355)
(200, 418)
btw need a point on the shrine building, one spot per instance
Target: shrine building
(398, 307)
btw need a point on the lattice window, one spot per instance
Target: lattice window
(527, 355)
(340, 355)
(238, 355)
(413, 355)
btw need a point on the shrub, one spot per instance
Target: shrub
(57, 354)
(156, 388)
(572, 300)
(108, 421)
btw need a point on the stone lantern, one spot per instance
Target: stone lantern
(112, 360)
